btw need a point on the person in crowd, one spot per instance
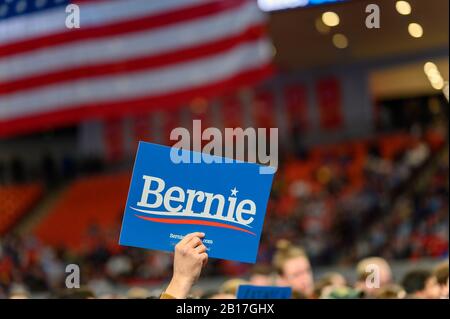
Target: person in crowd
(230, 287)
(373, 273)
(294, 269)
(80, 293)
(327, 282)
(421, 284)
(19, 292)
(138, 293)
(261, 275)
(189, 258)
(441, 274)
(342, 292)
(391, 291)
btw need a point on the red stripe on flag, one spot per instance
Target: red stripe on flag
(158, 61)
(123, 27)
(76, 113)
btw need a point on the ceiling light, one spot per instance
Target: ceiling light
(330, 18)
(433, 73)
(415, 30)
(340, 41)
(429, 67)
(438, 84)
(403, 7)
(435, 78)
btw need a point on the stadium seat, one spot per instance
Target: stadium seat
(97, 200)
(15, 202)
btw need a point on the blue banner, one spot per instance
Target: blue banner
(169, 199)
(263, 292)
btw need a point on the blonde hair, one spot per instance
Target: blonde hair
(441, 272)
(285, 251)
(391, 291)
(363, 264)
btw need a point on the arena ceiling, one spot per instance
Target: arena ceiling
(300, 45)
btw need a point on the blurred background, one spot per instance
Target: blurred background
(362, 115)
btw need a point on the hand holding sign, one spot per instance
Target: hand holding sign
(190, 257)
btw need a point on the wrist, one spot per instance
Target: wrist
(179, 287)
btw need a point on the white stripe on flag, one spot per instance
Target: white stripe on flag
(177, 77)
(120, 47)
(91, 14)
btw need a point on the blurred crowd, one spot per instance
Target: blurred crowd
(333, 226)
(290, 266)
(400, 211)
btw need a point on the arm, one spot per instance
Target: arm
(189, 259)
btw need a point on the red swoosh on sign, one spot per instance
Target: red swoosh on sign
(193, 222)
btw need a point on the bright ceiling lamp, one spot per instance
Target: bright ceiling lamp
(403, 7)
(330, 19)
(429, 68)
(415, 30)
(434, 76)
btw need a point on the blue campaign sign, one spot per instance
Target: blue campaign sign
(263, 292)
(167, 200)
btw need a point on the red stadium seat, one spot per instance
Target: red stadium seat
(88, 201)
(15, 202)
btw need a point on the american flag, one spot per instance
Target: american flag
(127, 56)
